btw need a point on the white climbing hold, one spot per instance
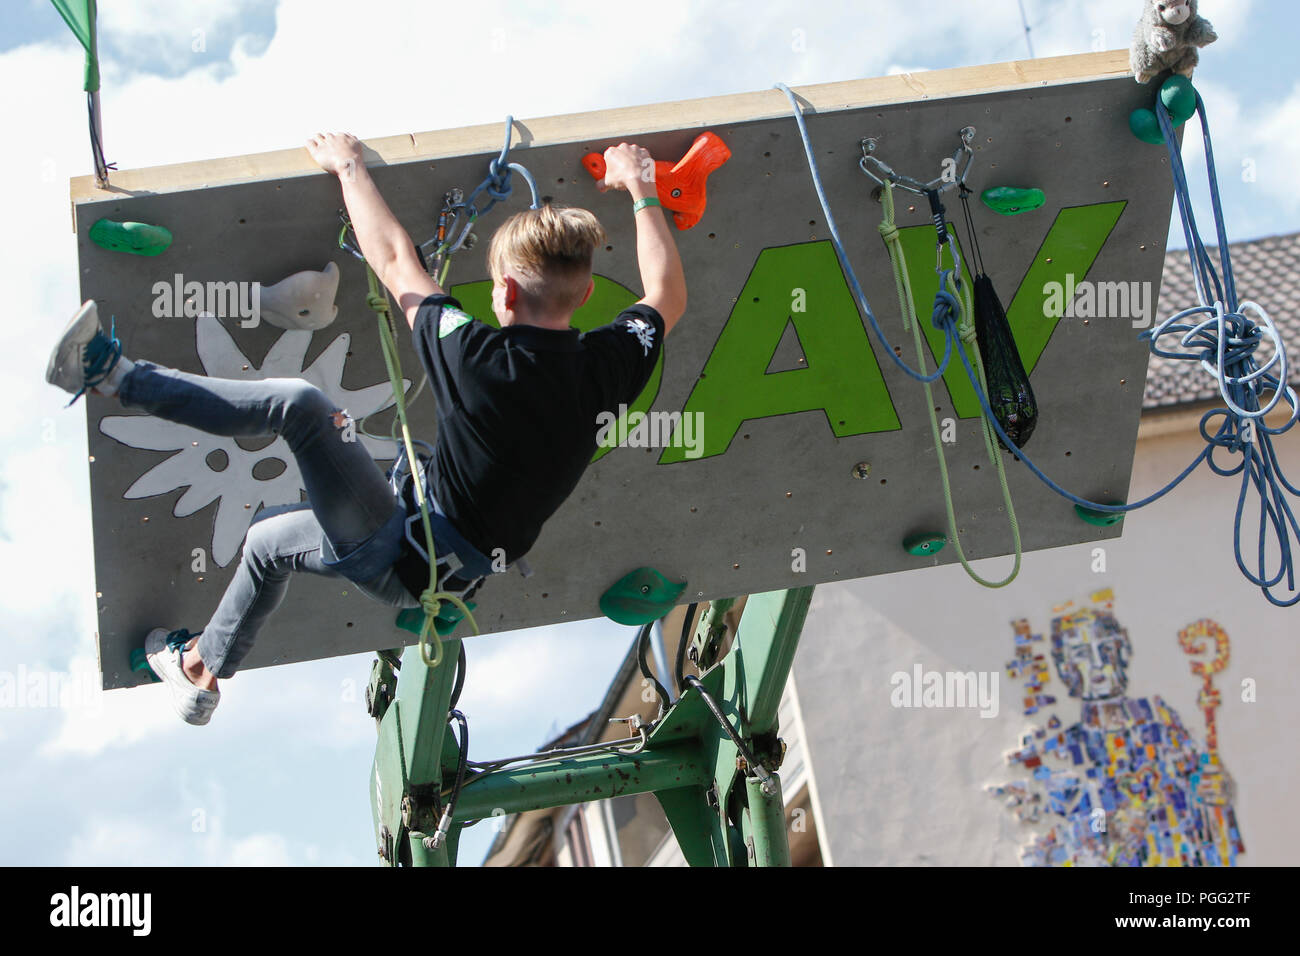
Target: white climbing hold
(304, 300)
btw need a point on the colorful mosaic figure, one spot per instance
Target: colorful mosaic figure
(1125, 785)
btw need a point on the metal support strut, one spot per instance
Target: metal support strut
(711, 758)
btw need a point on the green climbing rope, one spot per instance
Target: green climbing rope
(431, 599)
(966, 330)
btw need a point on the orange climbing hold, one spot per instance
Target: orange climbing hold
(680, 185)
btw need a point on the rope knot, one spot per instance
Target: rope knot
(377, 302)
(889, 231)
(430, 602)
(946, 308)
(498, 181)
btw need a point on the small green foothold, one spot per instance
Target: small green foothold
(1011, 201)
(1179, 97)
(449, 615)
(1146, 126)
(411, 619)
(924, 544)
(1102, 519)
(137, 238)
(640, 597)
(140, 664)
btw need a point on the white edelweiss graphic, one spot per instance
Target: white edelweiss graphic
(644, 332)
(233, 484)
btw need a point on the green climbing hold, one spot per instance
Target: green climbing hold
(1011, 201)
(643, 596)
(923, 544)
(1179, 97)
(449, 615)
(411, 619)
(137, 238)
(140, 664)
(1103, 519)
(1146, 126)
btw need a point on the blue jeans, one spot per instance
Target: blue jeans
(350, 499)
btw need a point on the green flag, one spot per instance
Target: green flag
(80, 17)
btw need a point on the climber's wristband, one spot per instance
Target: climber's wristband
(644, 202)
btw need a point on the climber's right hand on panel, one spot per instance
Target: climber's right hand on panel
(337, 153)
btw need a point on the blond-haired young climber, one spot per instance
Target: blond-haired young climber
(518, 410)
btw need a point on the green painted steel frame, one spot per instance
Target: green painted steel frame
(716, 807)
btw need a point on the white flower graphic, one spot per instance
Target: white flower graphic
(644, 332)
(237, 490)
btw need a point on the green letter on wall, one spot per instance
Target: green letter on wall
(800, 284)
(1071, 247)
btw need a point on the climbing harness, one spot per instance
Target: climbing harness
(953, 313)
(1228, 341)
(463, 561)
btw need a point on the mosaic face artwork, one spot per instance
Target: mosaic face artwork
(1125, 784)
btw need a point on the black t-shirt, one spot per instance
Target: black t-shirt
(517, 412)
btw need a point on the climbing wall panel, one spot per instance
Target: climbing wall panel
(799, 453)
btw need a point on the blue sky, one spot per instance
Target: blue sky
(280, 776)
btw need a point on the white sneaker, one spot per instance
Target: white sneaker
(164, 651)
(85, 357)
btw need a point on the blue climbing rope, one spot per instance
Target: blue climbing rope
(843, 256)
(498, 188)
(1224, 344)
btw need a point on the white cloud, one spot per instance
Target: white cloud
(165, 34)
(1231, 21)
(261, 849)
(194, 824)
(46, 550)
(508, 672)
(1275, 144)
(123, 841)
(165, 18)
(321, 703)
(113, 720)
